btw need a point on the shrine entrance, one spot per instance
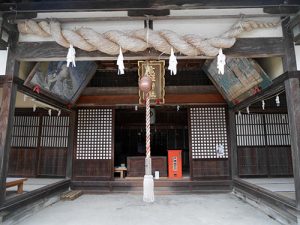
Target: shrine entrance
(169, 131)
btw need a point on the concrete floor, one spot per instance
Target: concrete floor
(282, 186)
(124, 209)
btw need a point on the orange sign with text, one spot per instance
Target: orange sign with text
(175, 164)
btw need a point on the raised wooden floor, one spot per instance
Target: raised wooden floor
(162, 186)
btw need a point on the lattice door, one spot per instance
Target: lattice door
(208, 131)
(94, 134)
(25, 131)
(55, 131)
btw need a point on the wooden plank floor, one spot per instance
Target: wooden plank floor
(282, 186)
(32, 184)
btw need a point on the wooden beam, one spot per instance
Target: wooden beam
(289, 59)
(9, 93)
(43, 98)
(233, 143)
(29, 198)
(263, 195)
(201, 89)
(244, 47)
(7, 109)
(292, 89)
(23, 6)
(71, 144)
(111, 100)
(276, 86)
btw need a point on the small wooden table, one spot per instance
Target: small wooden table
(10, 182)
(120, 170)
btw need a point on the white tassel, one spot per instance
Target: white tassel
(148, 188)
(263, 104)
(71, 56)
(221, 62)
(58, 112)
(34, 107)
(120, 63)
(248, 110)
(172, 63)
(49, 112)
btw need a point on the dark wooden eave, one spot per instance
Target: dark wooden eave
(271, 6)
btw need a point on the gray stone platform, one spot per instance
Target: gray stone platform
(125, 209)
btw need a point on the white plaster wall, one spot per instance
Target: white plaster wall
(214, 27)
(3, 61)
(297, 52)
(272, 66)
(180, 12)
(202, 27)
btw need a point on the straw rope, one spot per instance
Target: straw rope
(139, 40)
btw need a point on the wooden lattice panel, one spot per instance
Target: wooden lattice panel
(94, 134)
(25, 131)
(250, 130)
(277, 129)
(262, 130)
(55, 131)
(208, 130)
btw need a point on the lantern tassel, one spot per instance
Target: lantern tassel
(221, 62)
(120, 63)
(71, 56)
(172, 63)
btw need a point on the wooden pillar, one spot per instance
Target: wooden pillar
(71, 138)
(7, 114)
(233, 144)
(292, 90)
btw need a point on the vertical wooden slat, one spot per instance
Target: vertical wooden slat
(7, 113)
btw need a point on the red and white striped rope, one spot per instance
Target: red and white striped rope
(148, 150)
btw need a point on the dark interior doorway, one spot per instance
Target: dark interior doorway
(169, 131)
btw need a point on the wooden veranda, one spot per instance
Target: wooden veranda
(83, 139)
